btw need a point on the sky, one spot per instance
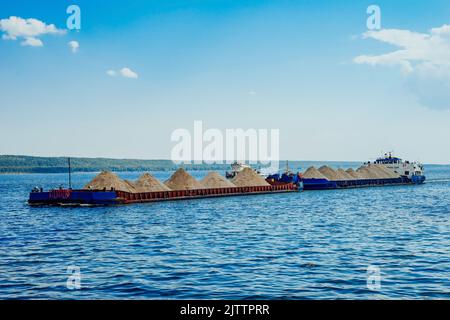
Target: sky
(138, 70)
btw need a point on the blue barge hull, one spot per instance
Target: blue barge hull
(66, 196)
(324, 184)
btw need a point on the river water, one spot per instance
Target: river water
(308, 245)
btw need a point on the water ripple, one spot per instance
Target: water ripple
(312, 245)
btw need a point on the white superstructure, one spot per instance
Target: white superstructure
(403, 168)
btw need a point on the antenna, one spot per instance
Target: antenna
(70, 174)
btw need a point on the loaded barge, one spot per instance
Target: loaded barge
(108, 189)
(114, 197)
(384, 171)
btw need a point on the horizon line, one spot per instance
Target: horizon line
(203, 161)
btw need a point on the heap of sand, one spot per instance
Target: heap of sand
(356, 175)
(374, 174)
(215, 180)
(148, 183)
(344, 175)
(249, 178)
(130, 185)
(181, 180)
(373, 171)
(108, 180)
(388, 172)
(329, 173)
(366, 173)
(313, 173)
(376, 170)
(383, 172)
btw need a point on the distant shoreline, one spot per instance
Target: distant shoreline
(18, 164)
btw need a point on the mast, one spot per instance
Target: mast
(70, 174)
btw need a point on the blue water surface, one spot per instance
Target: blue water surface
(309, 245)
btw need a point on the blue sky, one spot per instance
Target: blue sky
(291, 65)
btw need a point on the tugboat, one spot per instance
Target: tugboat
(286, 177)
(413, 171)
(275, 179)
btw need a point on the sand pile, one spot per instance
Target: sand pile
(215, 180)
(130, 185)
(107, 180)
(148, 183)
(249, 178)
(329, 173)
(376, 170)
(181, 180)
(344, 175)
(366, 173)
(354, 174)
(389, 173)
(372, 173)
(380, 172)
(313, 173)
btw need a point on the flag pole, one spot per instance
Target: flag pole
(70, 174)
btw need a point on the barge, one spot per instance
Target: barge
(117, 197)
(325, 184)
(394, 171)
(384, 171)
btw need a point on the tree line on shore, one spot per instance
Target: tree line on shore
(31, 164)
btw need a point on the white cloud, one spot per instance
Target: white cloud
(252, 93)
(27, 29)
(74, 46)
(32, 42)
(124, 72)
(128, 73)
(445, 29)
(423, 57)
